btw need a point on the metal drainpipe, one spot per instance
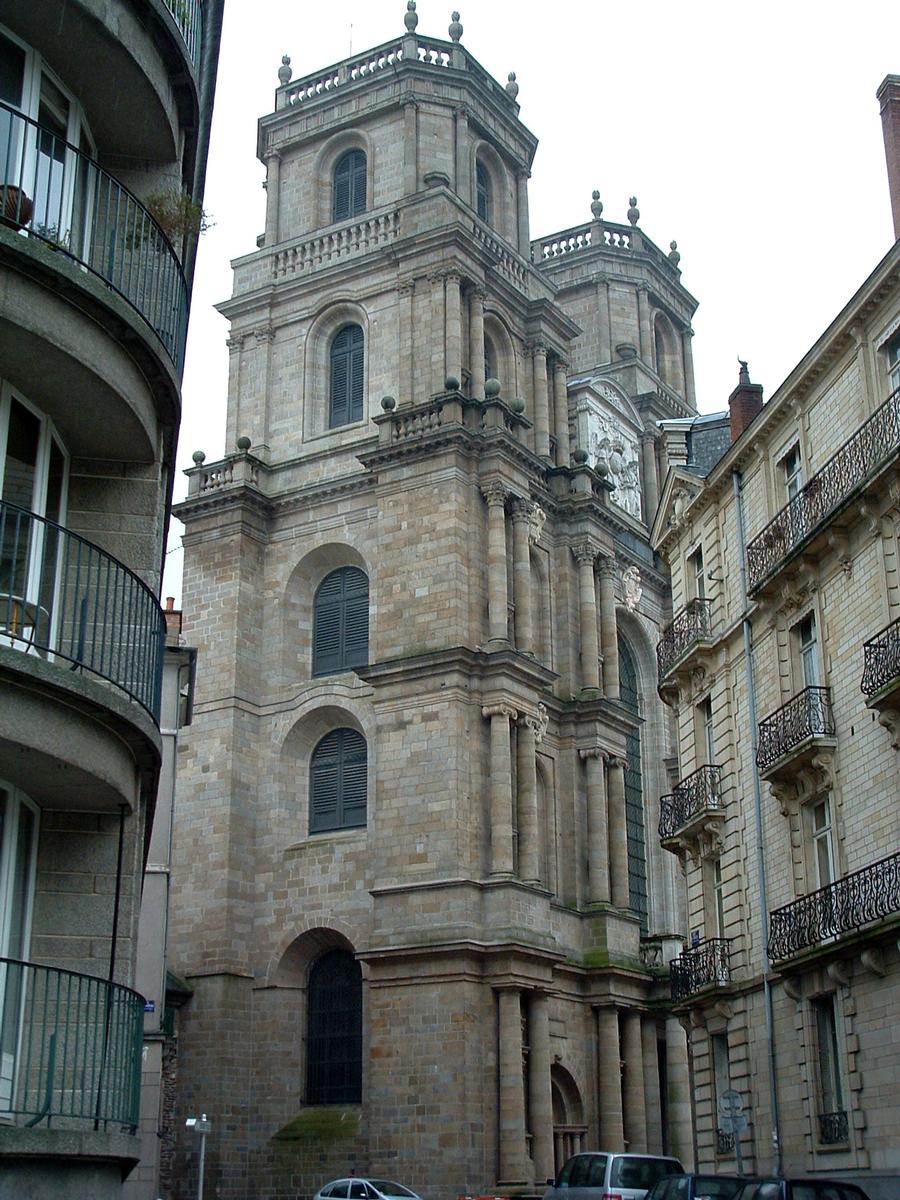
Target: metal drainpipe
(736, 483)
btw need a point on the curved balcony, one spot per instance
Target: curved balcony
(794, 734)
(707, 965)
(868, 895)
(682, 639)
(188, 16)
(52, 191)
(859, 460)
(880, 682)
(691, 818)
(71, 1048)
(64, 599)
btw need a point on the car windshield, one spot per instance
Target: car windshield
(642, 1172)
(390, 1189)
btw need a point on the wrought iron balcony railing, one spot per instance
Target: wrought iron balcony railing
(188, 16)
(71, 1048)
(691, 625)
(806, 715)
(61, 597)
(705, 965)
(695, 794)
(881, 658)
(873, 445)
(833, 1128)
(50, 190)
(867, 895)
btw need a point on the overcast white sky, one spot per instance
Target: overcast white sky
(750, 133)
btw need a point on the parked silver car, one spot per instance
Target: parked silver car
(356, 1188)
(598, 1175)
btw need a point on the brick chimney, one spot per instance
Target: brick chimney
(744, 402)
(889, 98)
(173, 622)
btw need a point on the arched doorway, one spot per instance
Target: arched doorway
(569, 1128)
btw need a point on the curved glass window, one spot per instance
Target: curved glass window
(341, 621)
(349, 185)
(337, 782)
(334, 1030)
(346, 377)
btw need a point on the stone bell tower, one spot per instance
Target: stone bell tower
(416, 873)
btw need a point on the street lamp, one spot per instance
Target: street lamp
(203, 1126)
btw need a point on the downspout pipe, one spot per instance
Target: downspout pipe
(736, 484)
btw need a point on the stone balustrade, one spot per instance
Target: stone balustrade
(358, 237)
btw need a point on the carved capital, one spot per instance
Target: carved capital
(264, 334)
(538, 723)
(592, 752)
(495, 493)
(234, 343)
(500, 710)
(536, 349)
(606, 567)
(584, 552)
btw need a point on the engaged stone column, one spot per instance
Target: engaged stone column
(604, 321)
(539, 1089)
(498, 616)
(561, 409)
(527, 799)
(454, 328)
(541, 409)
(273, 193)
(585, 553)
(609, 644)
(618, 833)
(678, 1099)
(651, 479)
(652, 1105)
(410, 146)
(501, 788)
(463, 180)
(522, 575)
(633, 1083)
(609, 1081)
(522, 177)
(644, 324)
(476, 342)
(689, 391)
(514, 1171)
(598, 839)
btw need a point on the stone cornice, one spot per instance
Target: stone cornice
(505, 672)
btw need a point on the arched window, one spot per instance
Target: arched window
(346, 395)
(337, 782)
(490, 358)
(341, 621)
(334, 1030)
(660, 347)
(349, 185)
(634, 795)
(482, 192)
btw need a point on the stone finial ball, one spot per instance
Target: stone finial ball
(451, 384)
(388, 403)
(601, 467)
(456, 29)
(244, 444)
(491, 388)
(580, 456)
(512, 88)
(284, 71)
(517, 405)
(596, 205)
(199, 457)
(410, 19)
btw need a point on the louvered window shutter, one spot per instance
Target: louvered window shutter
(482, 193)
(337, 782)
(347, 362)
(349, 185)
(357, 183)
(341, 621)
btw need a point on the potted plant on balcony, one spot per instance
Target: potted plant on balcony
(177, 214)
(15, 206)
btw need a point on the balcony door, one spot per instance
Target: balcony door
(18, 852)
(33, 483)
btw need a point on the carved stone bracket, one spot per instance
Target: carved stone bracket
(810, 780)
(889, 718)
(873, 960)
(839, 972)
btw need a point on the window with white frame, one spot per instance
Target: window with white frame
(832, 1117)
(706, 748)
(807, 651)
(792, 471)
(822, 838)
(697, 574)
(718, 898)
(893, 364)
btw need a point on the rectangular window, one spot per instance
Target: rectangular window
(713, 898)
(697, 574)
(823, 844)
(792, 473)
(831, 1097)
(703, 732)
(807, 651)
(893, 358)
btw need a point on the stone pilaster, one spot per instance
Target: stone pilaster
(690, 392)
(618, 836)
(541, 404)
(438, 332)
(500, 716)
(651, 478)
(585, 553)
(526, 807)
(598, 835)
(561, 412)
(633, 1083)
(453, 363)
(463, 175)
(406, 300)
(514, 1171)
(604, 322)
(410, 146)
(609, 643)
(651, 1085)
(273, 194)
(521, 517)
(643, 299)
(522, 177)
(498, 618)
(609, 1081)
(540, 1093)
(476, 342)
(678, 1100)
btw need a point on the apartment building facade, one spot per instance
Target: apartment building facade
(416, 893)
(781, 668)
(104, 118)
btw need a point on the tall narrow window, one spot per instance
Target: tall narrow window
(706, 749)
(347, 359)
(334, 1030)
(808, 652)
(490, 359)
(337, 782)
(482, 192)
(341, 621)
(697, 574)
(793, 471)
(349, 185)
(823, 844)
(721, 1069)
(832, 1117)
(893, 358)
(634, 795)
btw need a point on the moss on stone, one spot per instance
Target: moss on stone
(320, 1127)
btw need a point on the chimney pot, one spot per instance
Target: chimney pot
(744, 402)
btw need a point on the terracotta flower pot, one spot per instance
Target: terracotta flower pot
(15, 206)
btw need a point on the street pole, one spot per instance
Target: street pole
(203, 1126)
